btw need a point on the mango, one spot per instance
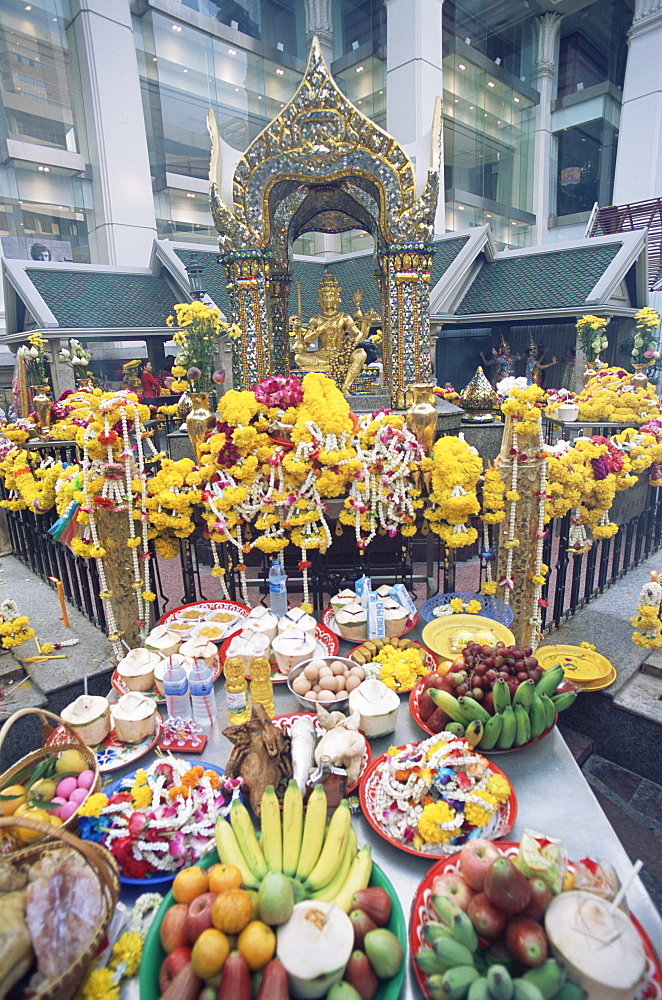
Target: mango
(71, 760)
(275, 899)
(384, 952)
(343, 991)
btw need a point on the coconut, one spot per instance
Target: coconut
(89, 717)
(162, 641)
(395, 616)
(314, 946)
(248, 644)
(160, 669)
(342, 598)
(200, 648)
(137, 669)
(134, 717)
(297, 618)
(352, 622)
(262, 620)
(377, 705)
(291, 647)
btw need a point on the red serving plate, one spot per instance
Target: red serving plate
(329, 620)
(431, 661)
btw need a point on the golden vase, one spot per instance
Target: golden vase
(639, 378)
(422, 415)
(199, 421)
(41, 402)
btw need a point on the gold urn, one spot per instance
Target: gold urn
(422, 415)
(41, 402)
(199, 421)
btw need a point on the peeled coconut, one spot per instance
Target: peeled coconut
(602, 950)
(89, 717)
(314, 946)
(134, 717)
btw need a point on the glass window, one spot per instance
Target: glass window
(35, 83)
(507, 37)
(356, 239)
(45, 216)
(362, 22)
(593, 47)
(365, 86)
(276, 22)
(586, 162)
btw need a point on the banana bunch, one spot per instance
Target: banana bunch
(455, 967)
(516, 721)
(322, 863)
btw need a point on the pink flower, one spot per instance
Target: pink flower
(648, 354)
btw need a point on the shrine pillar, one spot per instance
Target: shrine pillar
(406, 316)
(248, 274)
(279, 293)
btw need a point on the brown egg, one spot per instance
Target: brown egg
(329, 683)
(325, 671)
(352, 682)
(357, 671)
(316, 688)
(338, 667)
(311, 672)
(341, 695)
(325, 696)
(312, 696)
(341, 681)
(301, 685)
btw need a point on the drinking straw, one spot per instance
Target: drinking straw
(636, 868)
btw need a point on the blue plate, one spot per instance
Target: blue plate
(153, 879)
(491, 607)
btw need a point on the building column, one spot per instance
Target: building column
(414, 75)
(319, 21)
(125, 222)
(548, 33)
(638, 175)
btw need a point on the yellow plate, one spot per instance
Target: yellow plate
(581, 665)
(600, 684)
(448, 636)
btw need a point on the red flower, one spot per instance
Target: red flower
(109, 438)
(304, 564)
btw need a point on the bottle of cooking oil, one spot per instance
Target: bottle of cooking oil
(236, 691)
(262, 691)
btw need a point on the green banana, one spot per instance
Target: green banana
(473, 734)
(550, 680)
(292, 827)
(435, 986)
(445, 909)
(550, 711)
(329, 860)
(474, 709)
(247, 839)
(501, 695)
(537, 717)
(564, 700)
(451, 952)
(524, 693)
(271, 840)
(357, 879)
(428, 962)
(313, 832)
(523, 990)
(230, 853)
(463, 931)
(499, 982)
(456, 728)
(491, 732)
(522, 726)
(507, 734)
(479, 989)
(457, 981)
(569, 991)
(548, 977)
(450, 705)
(434, 929)
(329, 892)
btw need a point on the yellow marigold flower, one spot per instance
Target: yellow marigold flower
(127, 950)
(489, 588)
(429, 824)
(480, 814)
(456, 605)
(99, 985)
(474, 608)
(93, 805)
(498, 787)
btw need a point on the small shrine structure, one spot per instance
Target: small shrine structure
(322, 166)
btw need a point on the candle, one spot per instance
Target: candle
(60, 594)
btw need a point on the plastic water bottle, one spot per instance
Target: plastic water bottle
(203, 699)
(277, 588)
(175, 685)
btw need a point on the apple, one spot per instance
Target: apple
(488, 922)
(453, 886)
(173, 928)
(198, 917)
(171, 965)
(475, 860)
(208, 993)
(526, 941)
(541, 897)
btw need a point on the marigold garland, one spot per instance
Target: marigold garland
(455, 468)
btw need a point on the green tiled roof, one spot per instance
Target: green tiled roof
(213, 276)
(445, 253)
(547, 280)
(93, 299)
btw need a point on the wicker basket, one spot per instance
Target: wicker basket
(104, 867)
(70, 741)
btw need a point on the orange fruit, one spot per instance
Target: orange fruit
(209, 952)
(231, 911)
(189, 883)
(257, 943)
(30, 812)
(222, 877)
(11, 798)
(54, 820)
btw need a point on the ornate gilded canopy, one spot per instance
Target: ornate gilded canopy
(322, 166)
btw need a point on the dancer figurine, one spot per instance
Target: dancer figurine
(502, 361)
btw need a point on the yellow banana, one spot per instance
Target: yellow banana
(244, 831)
(330, 891)
(230, 853)
(292, 827)
(313, 832)
(271, 840)
(358, 878)
(331, 856)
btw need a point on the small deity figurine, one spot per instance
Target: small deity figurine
(534, 366)
(568, 378)
(502, 361)
(339, 338)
